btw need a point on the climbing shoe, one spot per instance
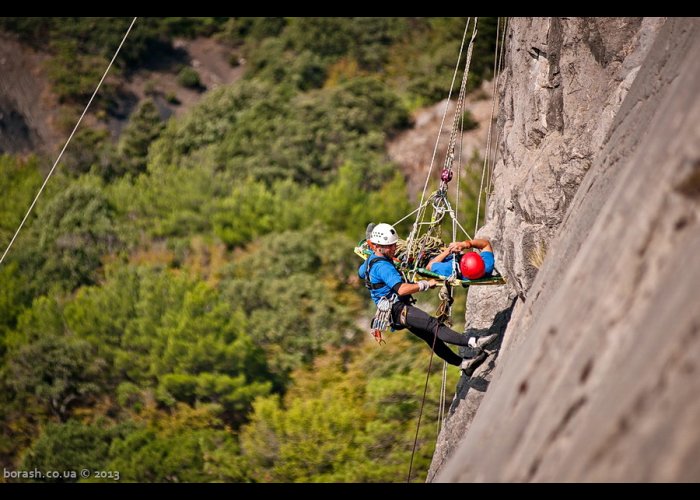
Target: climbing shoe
(470, 364)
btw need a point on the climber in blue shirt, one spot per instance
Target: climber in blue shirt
(395, 305)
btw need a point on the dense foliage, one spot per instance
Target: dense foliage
(183, 304)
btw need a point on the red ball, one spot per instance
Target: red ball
(472, 266)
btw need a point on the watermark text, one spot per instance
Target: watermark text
(61, 475)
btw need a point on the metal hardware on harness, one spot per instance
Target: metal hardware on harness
(382, 318)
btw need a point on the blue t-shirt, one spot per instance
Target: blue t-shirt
(444, 268)
(382, 271)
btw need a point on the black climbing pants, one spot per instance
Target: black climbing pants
(424, 326)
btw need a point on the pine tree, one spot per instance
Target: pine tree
(144, 127)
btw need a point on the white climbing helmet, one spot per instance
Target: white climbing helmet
(384, 234)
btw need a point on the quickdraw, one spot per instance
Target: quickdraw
(382, 318)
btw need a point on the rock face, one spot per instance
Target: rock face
(33, 121)
(564, 82)
(599, 163)
(413, 149)
(28, 110)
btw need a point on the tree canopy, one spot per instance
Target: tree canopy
(183, 303)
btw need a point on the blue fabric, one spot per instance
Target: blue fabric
(444, 268)
(489, 262)
(381, 272)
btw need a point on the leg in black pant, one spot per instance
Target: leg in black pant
(423, 325)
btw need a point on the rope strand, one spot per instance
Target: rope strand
(494, 157)
(443, 390)
(414, 230)
(420, 413)
(41, 189)
(488, 135)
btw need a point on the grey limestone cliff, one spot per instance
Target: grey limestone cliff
(594, 377)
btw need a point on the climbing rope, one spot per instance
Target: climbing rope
(41, 189)
(422, 404)
(494, 158)
(446, 296)
(447, 172)
(449, 157)
(487, 166)
(443, 399)
(414, 249)
(444, 114)
(438, 200)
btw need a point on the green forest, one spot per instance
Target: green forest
(182, 305)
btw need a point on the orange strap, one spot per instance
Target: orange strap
(377, 333)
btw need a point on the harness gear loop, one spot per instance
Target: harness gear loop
(382, 318)
(444, 310)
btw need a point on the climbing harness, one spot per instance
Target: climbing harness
(382, 317)
(368, 283)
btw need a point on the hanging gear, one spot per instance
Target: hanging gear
(444, 309)
(382, 318)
